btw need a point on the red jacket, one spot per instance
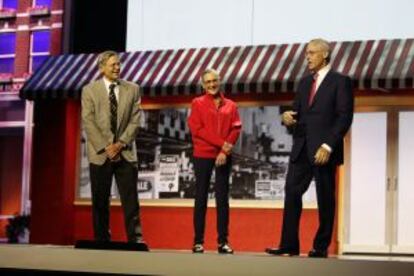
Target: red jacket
(211, 126)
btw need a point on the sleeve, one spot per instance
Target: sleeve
(93, 133)
(296, 100)
(236, 126)
(344, 112)
(131, 131)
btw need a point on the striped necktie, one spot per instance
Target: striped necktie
(113, 108)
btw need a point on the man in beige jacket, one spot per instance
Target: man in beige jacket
(110, 115)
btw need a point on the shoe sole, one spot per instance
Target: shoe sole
(290, 254)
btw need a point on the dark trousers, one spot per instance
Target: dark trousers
(126, 176)
(300, 174)
(203, 168)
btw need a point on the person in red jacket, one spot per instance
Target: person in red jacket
(215, 126)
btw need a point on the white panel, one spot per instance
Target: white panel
(301, 20)
(160, 24)
(189, 23)
(405, 217)
(368, 179)
(135, 26)
(347, 248)
(402, 249)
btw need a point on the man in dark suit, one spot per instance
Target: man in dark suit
(321, 116)
(111, 115)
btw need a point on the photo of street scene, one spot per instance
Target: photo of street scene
(260, 157)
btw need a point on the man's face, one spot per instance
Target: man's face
(315, 56)
(111, 69)
(211, 83)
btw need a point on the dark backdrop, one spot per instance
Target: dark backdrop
(95, 25)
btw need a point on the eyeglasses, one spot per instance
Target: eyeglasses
(210, 81)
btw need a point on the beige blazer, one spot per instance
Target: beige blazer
(96, 119)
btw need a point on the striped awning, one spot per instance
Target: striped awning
(373, 64)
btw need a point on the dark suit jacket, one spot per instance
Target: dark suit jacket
(328, 118)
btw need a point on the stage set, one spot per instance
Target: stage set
(372, 235)
(66, 260)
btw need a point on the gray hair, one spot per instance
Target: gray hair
(209, 71)
(104, 56)
(324, 44)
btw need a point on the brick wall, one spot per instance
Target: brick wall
(23, 24)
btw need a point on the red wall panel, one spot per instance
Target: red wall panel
(251, 230)
(11, 148)
(53, 174)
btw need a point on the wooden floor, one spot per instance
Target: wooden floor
(69, 260)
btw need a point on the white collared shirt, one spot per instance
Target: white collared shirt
(321, 75)
(108, 83)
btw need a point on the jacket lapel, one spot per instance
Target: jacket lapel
(308, 88)
(122, 101)
(103, 99)
(321, 88)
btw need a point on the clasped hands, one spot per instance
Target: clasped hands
(221, 158)
(113, 151)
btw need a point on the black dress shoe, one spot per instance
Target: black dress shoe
(318, 253)
(282, 251)
(224, 248)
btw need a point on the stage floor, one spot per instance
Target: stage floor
(165, 262)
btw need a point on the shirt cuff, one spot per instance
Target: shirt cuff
(328, 148)
(227, 154)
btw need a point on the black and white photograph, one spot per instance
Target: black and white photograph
(260, 158)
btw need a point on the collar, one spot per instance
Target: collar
(209, 96)
(323, 71)
(108, 82)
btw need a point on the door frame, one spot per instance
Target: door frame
(391, 105)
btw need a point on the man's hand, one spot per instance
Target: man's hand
(113, 151)
(221, 159)
(227, 147)
(288, 118)
(322, 156)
